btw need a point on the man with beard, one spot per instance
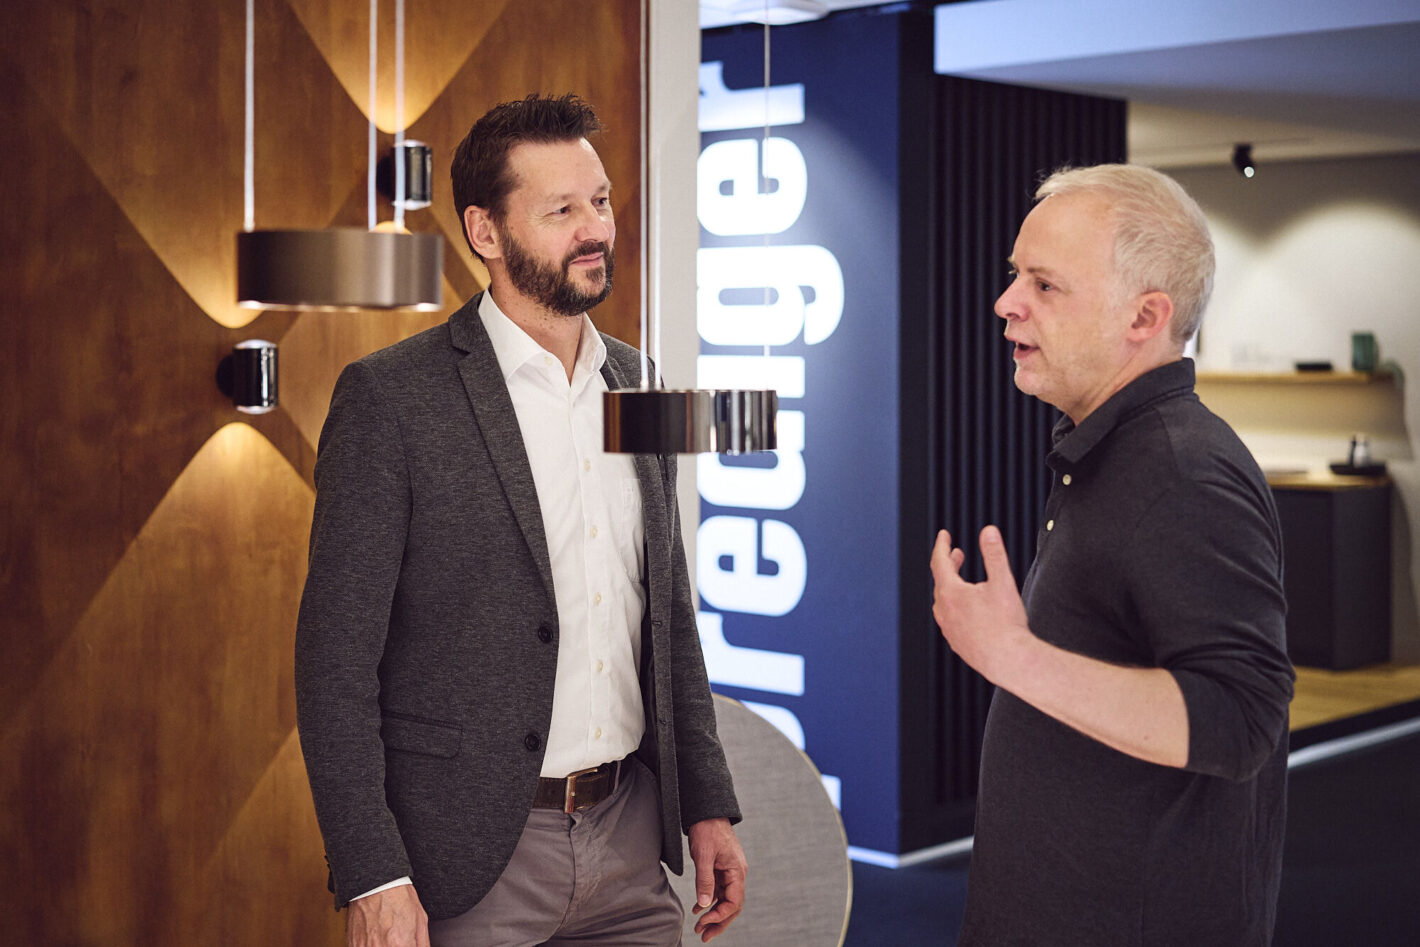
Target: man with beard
(501, 698)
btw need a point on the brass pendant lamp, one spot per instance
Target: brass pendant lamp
(656, 420)
(338, 268)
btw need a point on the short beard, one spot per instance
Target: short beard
(551, 286)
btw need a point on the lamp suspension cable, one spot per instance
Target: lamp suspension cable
(764, 149)
(399, 169)
(374, 91)
(249, 130)
(646, 241)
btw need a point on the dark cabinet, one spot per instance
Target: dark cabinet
(1336, 544)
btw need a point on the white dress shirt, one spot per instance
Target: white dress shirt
(591, 513)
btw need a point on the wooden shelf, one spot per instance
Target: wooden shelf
(1323, 696)
(1306, 480)
(1296, 378)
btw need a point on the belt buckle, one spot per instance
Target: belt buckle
(569, 796)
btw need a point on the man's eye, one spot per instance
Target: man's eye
(1013, 272)
(1043, 286)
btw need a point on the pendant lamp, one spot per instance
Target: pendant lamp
(656, 420)
(338, 268)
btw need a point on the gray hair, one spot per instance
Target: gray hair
(1161, 239)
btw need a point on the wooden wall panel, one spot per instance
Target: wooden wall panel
(152, 540)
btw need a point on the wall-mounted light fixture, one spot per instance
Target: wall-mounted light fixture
(405, 175)
(248, 376)
(343, 267)
(1242, 160)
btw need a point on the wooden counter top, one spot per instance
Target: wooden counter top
(1310, 480)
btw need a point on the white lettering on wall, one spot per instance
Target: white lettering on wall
(723, 109)
(727, 552)
(803, 286)
(774, 488)
(730, 199)
(756, 296)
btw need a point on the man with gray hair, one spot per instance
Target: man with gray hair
(1133, 773)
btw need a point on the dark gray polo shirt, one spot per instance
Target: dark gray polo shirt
(1160, 547)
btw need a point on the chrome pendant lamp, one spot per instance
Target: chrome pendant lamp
(656, 420)
(339, 268)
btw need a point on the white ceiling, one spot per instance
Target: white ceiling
(1295, 78)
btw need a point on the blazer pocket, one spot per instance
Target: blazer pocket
(420, 735)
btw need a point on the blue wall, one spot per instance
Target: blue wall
(798, 559)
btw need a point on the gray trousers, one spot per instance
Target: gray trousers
(593, 877)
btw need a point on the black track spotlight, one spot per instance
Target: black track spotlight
(1242, 160)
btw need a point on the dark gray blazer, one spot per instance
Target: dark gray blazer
(426, 647)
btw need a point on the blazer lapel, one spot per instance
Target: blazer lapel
(493, 409)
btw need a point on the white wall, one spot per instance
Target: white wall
(1309, 252)
(675, 232)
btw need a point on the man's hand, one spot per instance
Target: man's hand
(1136, 710)
(719, 876)
(979, 621)
(390, 918)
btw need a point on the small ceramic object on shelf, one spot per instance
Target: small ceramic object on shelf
(1358, 462)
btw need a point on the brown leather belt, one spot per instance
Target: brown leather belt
(580, 790)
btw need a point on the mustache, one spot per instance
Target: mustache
(586, 248)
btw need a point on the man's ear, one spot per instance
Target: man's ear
(482, 232)
(1153, 312)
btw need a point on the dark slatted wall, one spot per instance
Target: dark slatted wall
(992, 146)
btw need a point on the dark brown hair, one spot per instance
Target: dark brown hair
(480, 172)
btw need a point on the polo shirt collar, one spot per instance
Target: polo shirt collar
(1071, 442)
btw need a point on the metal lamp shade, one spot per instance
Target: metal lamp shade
(684, 421)
(339, 268)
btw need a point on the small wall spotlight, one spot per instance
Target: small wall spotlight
(248, 376)
(1242, 160)
(418, 161)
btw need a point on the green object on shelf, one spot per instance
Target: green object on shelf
(1365, 353)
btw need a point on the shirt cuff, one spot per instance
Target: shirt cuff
(406, 880)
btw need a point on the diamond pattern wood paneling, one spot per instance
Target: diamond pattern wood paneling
(152, 548)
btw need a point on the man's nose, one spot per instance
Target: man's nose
(594, 225)
(1006, 306)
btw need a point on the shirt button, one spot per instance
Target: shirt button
(1065, 480)
(599, 667)
(594, 532)
(1050, 524)
(597, 599)
(586, 465)
(598, 734)
(547, 360)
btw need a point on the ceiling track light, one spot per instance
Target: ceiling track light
(1242, 160)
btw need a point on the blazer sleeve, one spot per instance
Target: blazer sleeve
(357, 542)
(707, 790)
